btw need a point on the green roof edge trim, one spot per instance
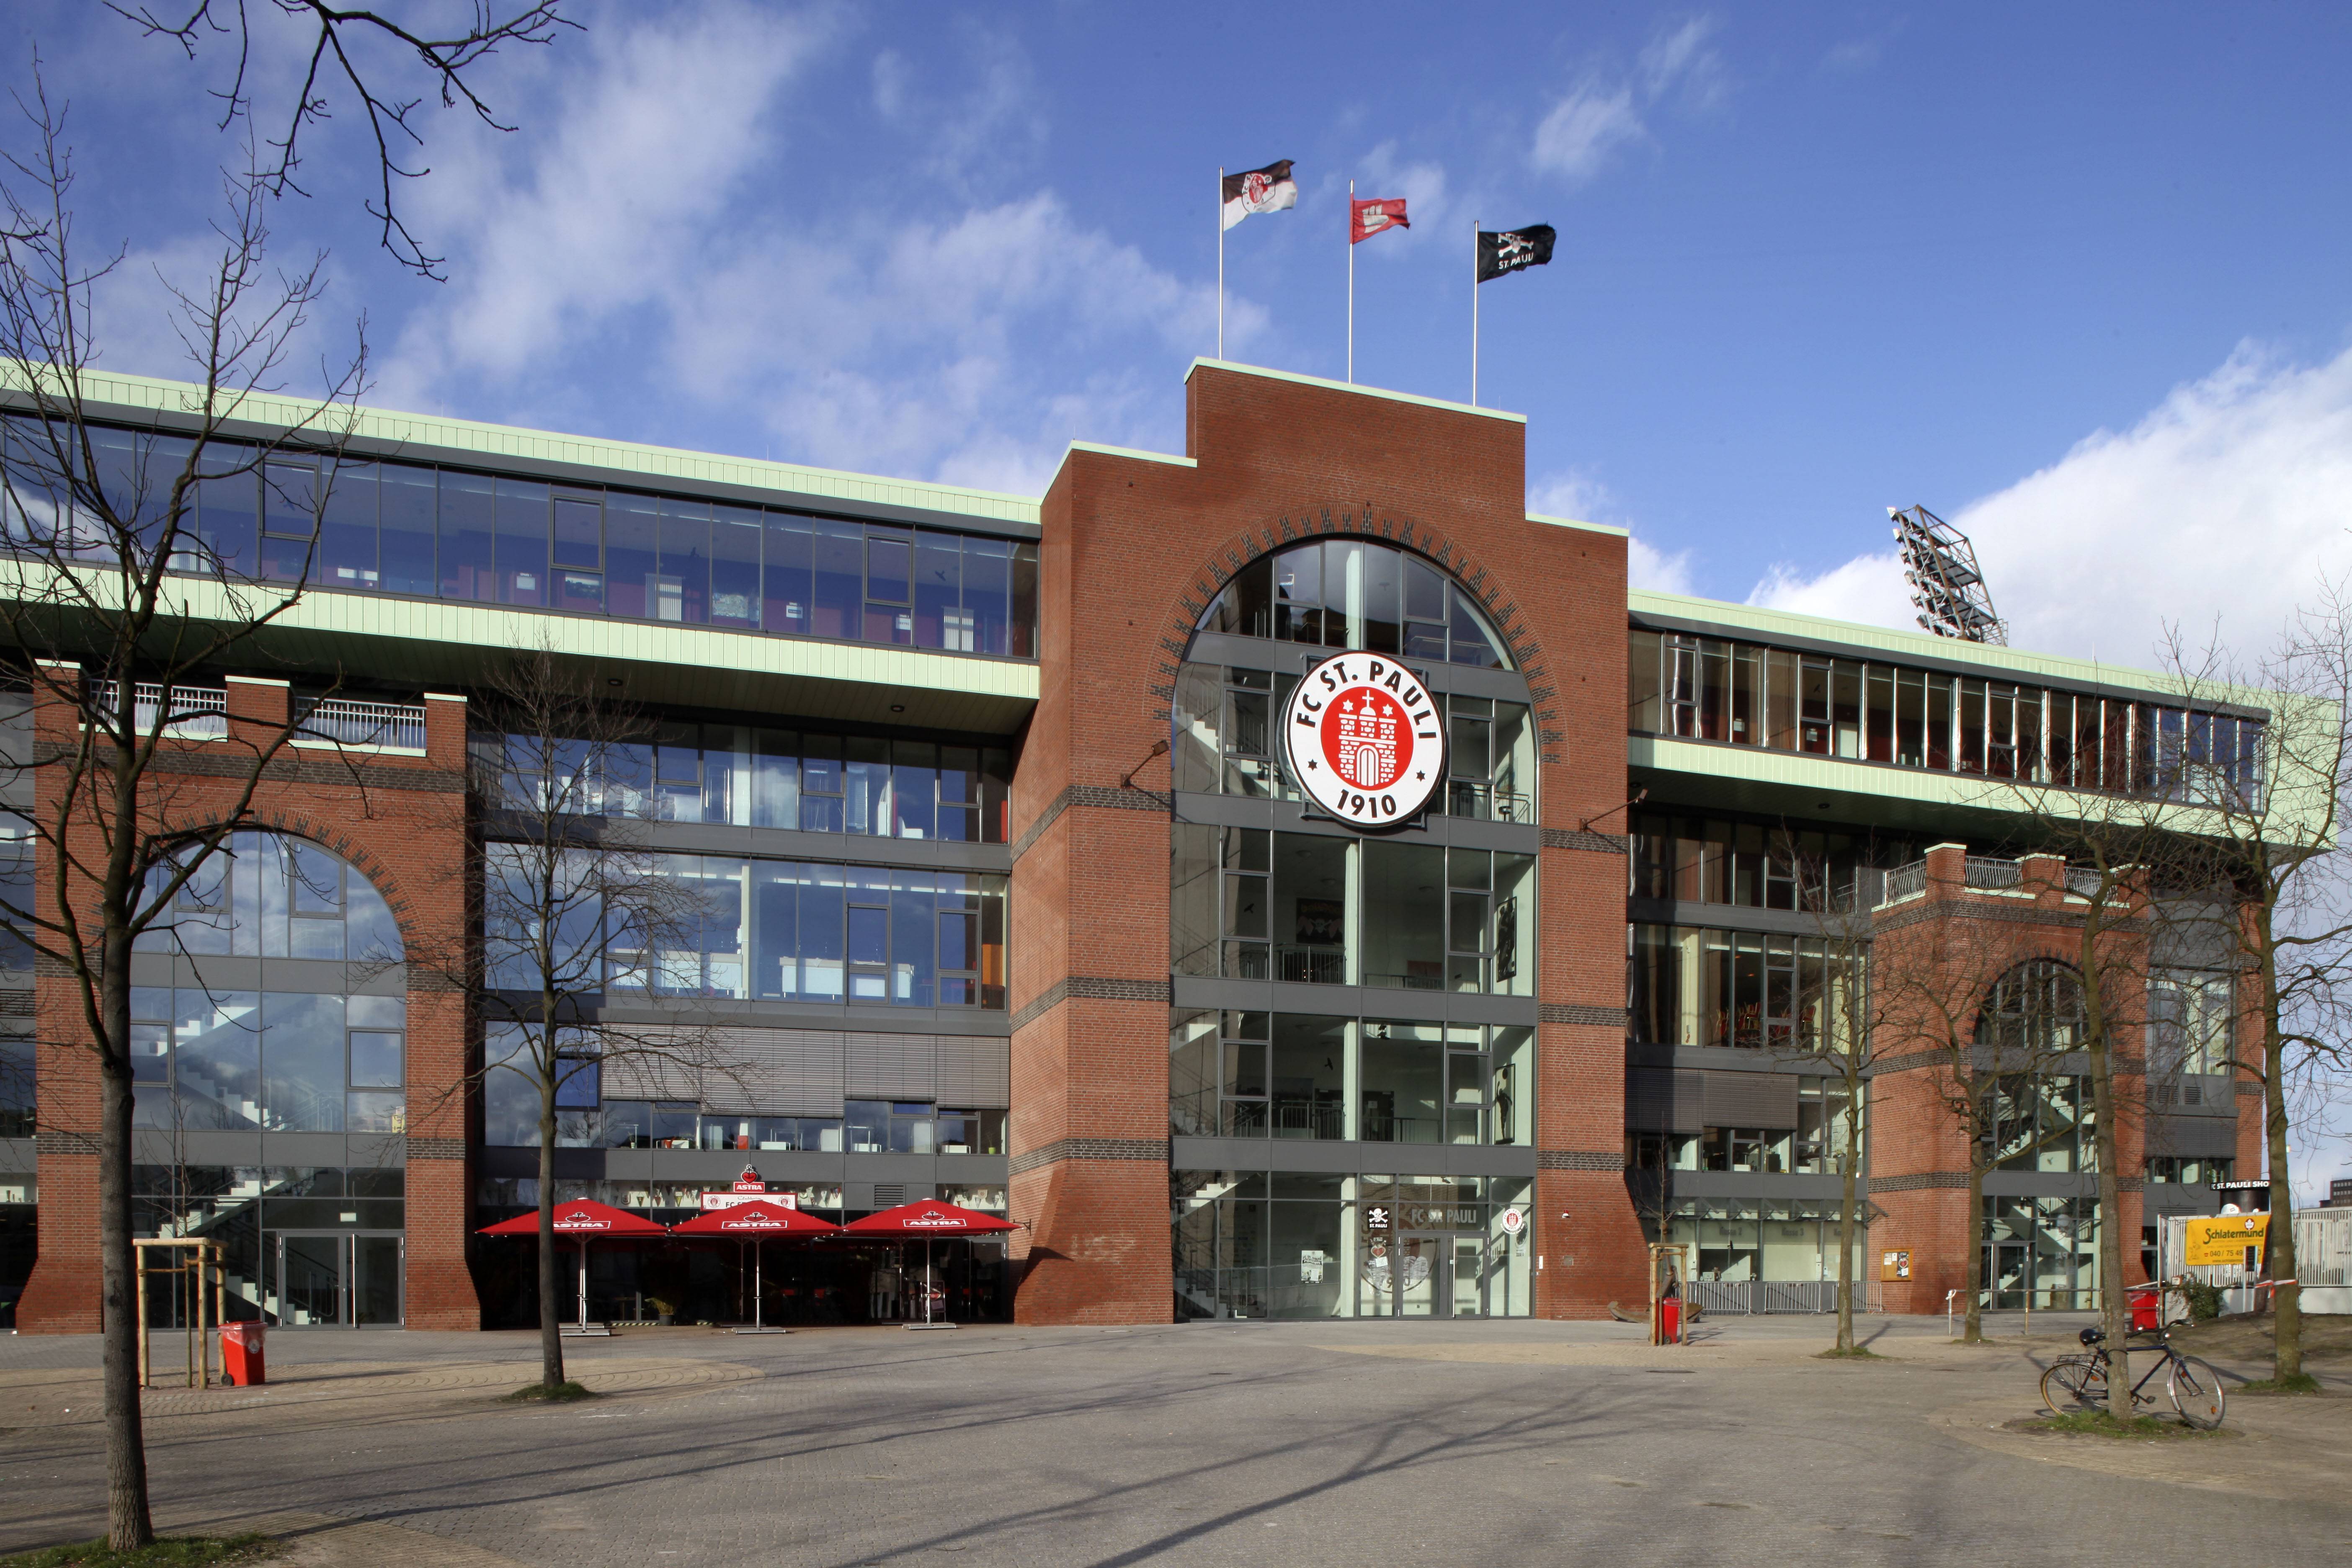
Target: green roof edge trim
(1135, 452)
(451, 434)
(1550, 520)
(1355, 386)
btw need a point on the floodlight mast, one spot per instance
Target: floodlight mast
(1940, 565)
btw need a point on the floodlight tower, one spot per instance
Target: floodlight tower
(1940, 565)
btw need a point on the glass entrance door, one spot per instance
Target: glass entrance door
(1466, 1278)
(331, 1279)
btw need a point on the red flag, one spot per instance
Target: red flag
(1367, 218)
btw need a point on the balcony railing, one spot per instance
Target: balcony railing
(378, 726)
(1470, 798)
(196, 712)
(1984, 871)
(1906, 882)
(1312, 965)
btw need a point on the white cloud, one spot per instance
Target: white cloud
(1603, 112)
(613, 205)
(1582, 129)
(2222, 503)
(991, 124)
(1583, 498)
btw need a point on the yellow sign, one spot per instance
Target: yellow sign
(2222, 1240)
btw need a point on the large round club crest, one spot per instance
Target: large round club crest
(1365, 741)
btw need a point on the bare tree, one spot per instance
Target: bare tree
(576, 915)
(340, 41)
(113, 600)
(2272, 903)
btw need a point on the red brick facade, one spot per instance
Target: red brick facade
(1134, 548)
(401, 820)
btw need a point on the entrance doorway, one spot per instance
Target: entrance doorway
(339, 1279)
(1440, 1275)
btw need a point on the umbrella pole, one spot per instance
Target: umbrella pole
(583, 1282)
(758, 1295)
(927, 1279)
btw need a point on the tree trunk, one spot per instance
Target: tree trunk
(550, 1321)
(127, 1523)
(2286, 1327)
(1846, 1219)
(1973, 1331)
(2115, 1314)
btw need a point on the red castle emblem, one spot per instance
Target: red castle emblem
(1365, 738)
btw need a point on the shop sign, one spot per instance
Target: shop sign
(1364, 741)
(2226, 1241)
(750, 1181)
(729, 1200)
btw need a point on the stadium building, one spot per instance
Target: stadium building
(1025, 885)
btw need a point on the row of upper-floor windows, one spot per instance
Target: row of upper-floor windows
(1353, 592)
(1247, 903)
(1708, 688)
(1224, 743)
(725, 926)
(812, 783)
(431, 532)
(1713, 860)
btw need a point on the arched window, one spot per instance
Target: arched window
(1346, 593)
(264, 895)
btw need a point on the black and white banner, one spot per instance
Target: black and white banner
(1514, 249)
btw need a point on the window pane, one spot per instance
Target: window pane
(465, 526)
(631, 577)
(840, 579)
(683, 590)
(939, 618)
(347, 536)
(987, 593)
(785, 573)
(523, 542)
(579, 529)
(408, 529)
(735, 566)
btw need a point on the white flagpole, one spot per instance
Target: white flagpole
(1351, 283)
(1221, 261)
(1473, 312)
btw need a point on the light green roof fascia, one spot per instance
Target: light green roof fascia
(1140, 456)
(1572, 522)
(648, 642)
(543, 446)
(1768, 623)
(1355, 387)
(1832, 776)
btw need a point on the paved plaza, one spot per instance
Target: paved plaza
(1327, 1443)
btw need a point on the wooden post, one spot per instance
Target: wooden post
(139, 1252)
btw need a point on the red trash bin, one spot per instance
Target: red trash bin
(242, 1361)
(1670, 1320)
(2147, 1307)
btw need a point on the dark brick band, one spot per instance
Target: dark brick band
(1580, 1160)
(437, 1148)
(311, 771)
(1130, 1151)
(1918, 1181)
(51, 1141)
(1592, 843)
(1578, 1012)
(1094, 988)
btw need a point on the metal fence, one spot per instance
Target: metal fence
(383, 726)
(1906, 882)
(1984, 871)
(197, 712)
(1757, 1297)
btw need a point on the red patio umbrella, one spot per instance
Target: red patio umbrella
(585, 1218)
(755, 1221)
(928, 1219)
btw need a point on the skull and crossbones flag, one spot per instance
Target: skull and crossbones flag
(1266, 190)
(1514, 249)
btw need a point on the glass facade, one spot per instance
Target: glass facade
(428, 531)
(268, 1061)
(790, 931)
(261, 895)
(1349, 593)
(301, 1246)
(1736, 1240)
(1278, 1243)
(804, 781)
(1708, 688)
(1249, 903)
(1234, 1074)
(1693, 986)
(1755, 864)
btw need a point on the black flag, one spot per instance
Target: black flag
(1514, 249)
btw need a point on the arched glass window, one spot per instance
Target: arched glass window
(1343, 593)
(264, 895)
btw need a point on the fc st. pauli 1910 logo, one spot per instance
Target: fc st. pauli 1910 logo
(1365, 740)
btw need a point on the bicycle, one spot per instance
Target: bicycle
(2080, 1382)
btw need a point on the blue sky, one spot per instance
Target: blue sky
(2073, 277)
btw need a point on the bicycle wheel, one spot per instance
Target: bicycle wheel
(2074, 1383)
(2196, 1390)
